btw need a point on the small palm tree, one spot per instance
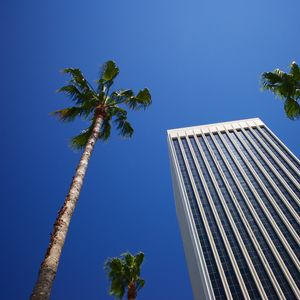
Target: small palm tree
(100, 107)
(285, 86)
(124, 275)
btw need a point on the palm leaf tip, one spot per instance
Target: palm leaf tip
(72, 71)
(109, 71)
(139, 258)
(295, 71)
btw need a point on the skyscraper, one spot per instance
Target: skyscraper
(237, 195)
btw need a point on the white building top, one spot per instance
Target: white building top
(216, 127)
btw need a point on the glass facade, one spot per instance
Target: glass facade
(243, 188)
(205, 244)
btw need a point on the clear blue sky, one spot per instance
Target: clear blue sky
(202, 61)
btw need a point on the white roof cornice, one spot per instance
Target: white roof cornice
(253, 122)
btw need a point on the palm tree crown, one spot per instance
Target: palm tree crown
(90, 103)
(124, 274)
(285, 86)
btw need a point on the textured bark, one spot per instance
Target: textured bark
(48, 269)
(132, 292)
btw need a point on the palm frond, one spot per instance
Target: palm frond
(75, 95)
(115, 271)
(270, 78)
(139, 258)
(117, 289)
(124, 127)
(278, 82)
(68, 114)
(121, 95)
(105, 130)
(113, 264)
(292, 109)
(144, 97)
(128, 258)
(89, 107)
(71, 90)
(78, 142)
(141, 101)
(140, 284)
(295, 71)
(77, 79)
(109, 71)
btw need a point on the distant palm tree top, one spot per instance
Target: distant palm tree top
(286, 86)
(124, 275)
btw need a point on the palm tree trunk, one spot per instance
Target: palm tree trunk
(131, 292)
(48, 269)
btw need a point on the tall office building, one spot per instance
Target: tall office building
(237, 195)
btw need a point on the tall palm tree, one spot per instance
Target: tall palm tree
(100, 107)
(285, 86)
(124, 275)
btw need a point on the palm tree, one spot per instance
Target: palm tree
(124, 274)
(285, 86)
(100, 107)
